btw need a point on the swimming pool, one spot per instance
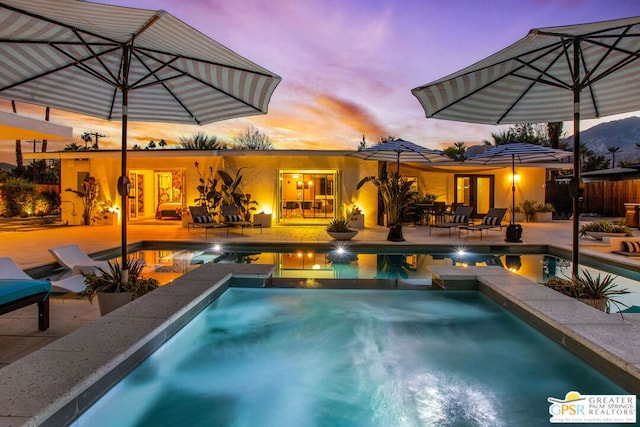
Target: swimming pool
(292, 357)
(319, 264)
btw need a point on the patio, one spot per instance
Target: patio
(19, 336)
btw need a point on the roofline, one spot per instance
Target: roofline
(173, 153)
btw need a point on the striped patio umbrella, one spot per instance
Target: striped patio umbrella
(517, 152)
(400, 151)
(120, 63)
(543, 78)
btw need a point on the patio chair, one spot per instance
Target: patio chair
(10, 270)
(290, 206)
(232, 218)
(491, 221)
(18, 289)
(73, 258)
(461, 216)
(200, 218)
(438, 211)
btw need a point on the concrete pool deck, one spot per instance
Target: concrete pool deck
(19, 337)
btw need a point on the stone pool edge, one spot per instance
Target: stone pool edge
(608, 342)
(55, 384)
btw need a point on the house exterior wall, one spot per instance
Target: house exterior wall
(261, 174)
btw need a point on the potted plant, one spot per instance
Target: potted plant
(598, 292)
(517, 214)
(396, 194)
(339, 229)
(355, 217)
(528, 208)
(544, 212)
(599, 229)
(107, 285)
(106, 214)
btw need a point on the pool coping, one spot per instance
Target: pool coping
(53, 385)
(608, 342)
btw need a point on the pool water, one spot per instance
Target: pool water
(304, 357)
(316, 264)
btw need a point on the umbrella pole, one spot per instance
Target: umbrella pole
(513, 189)
(575, 259)
(124, 272)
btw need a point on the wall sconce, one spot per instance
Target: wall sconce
(299, 185)
(514, 178)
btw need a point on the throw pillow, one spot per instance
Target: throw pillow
(491, 220)
(631, 246)
(459, 219)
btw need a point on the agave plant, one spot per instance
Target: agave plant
(587, 287)
(605, 227)
(110, 280)
(339, 226)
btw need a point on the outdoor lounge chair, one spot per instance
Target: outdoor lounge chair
(460, 217)
(73, 258)
(491, 221)
(18, 289)
(200, 218)
(232, 218)
(10, 270)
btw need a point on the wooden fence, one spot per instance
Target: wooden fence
(607, 198)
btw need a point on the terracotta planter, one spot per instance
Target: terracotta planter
(600, 304)
(342, 235)
(109, 301)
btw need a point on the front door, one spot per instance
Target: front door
(476, 191)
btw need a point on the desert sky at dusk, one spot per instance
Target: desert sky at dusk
(348, 66)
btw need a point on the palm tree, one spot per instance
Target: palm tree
(396, 195)
(71, 147)
(554, 130)
(201, 141)
(19, 158)
(499, 138)
(457, 151)
(87, 137)
(613, 151)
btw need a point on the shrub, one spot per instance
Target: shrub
(19, 197)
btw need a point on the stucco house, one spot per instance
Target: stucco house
(292, 186)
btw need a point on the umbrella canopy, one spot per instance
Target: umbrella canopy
(13, 126)
(543, 78)
(400, 151)
(517, 152)
(120, 63)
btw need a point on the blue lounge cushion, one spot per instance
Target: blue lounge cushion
(15, 289)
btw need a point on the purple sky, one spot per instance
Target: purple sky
(348, 66)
